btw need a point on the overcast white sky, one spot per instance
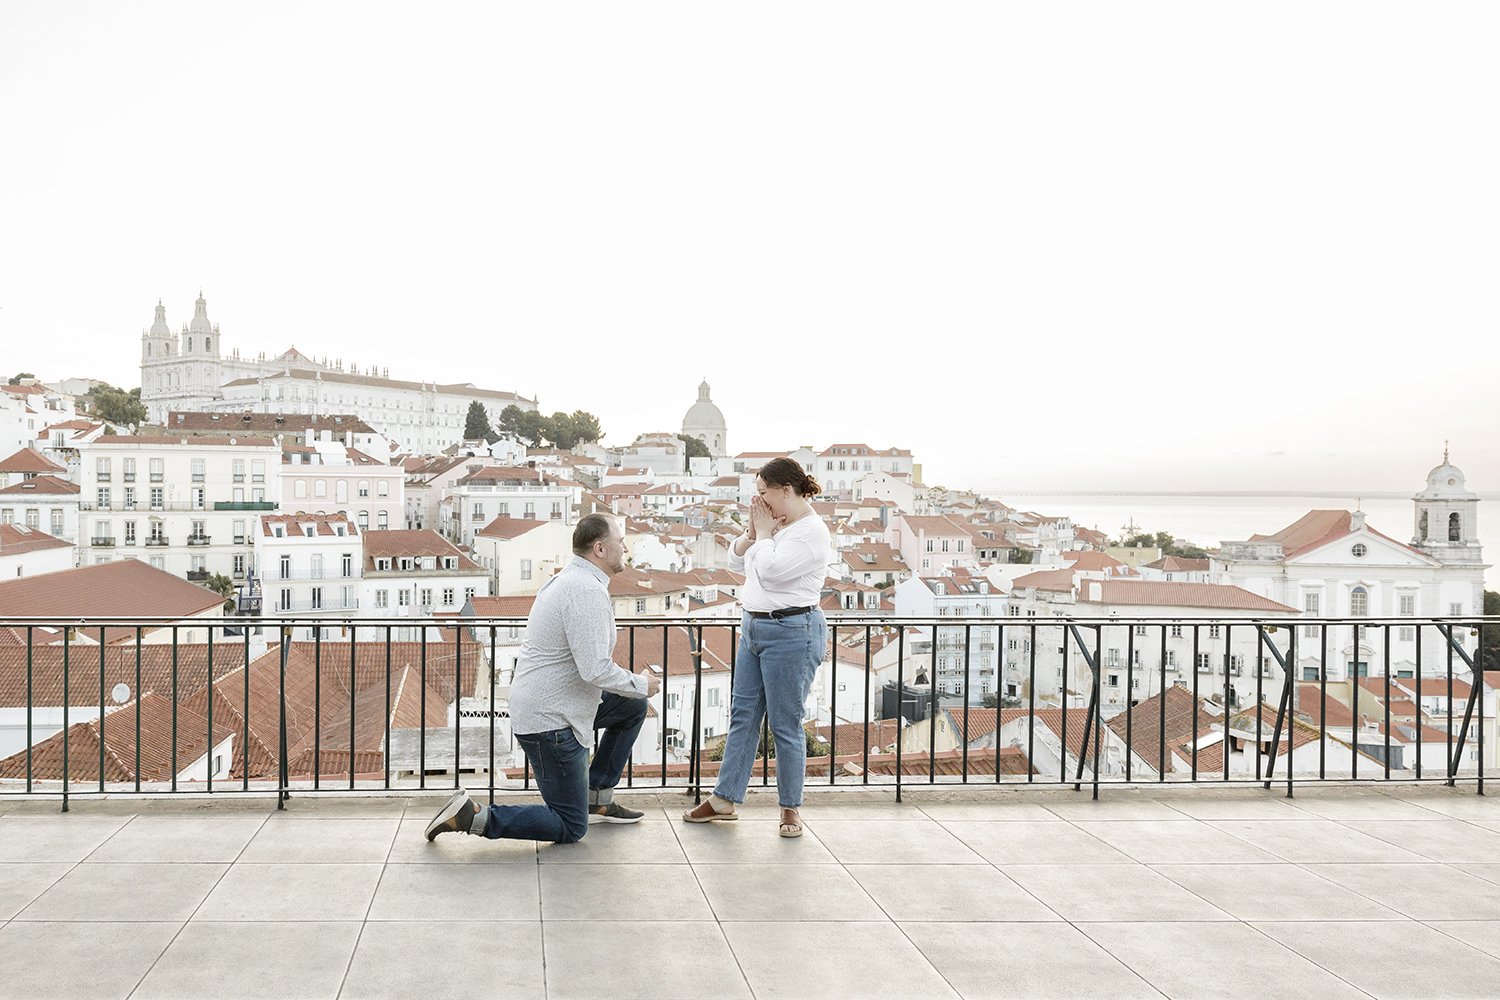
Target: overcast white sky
(1044, 246)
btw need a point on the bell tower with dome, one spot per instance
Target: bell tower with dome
(1447, 517)
(705, 422)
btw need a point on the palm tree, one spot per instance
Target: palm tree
(224, 587)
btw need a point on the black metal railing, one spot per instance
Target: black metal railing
(289, 703)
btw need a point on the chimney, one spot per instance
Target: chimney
(1357, 521)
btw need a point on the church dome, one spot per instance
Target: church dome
(200, 322)
(160, 328)
(703, 415)
(1446, 482)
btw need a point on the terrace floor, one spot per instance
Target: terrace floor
(1034, 893)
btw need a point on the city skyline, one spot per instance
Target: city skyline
(1201, 274)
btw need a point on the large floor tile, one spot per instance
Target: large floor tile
(1111, 808)
(253, 961)
(54, 837)
(948, 892)
(832, 961)
(151, 892)
(1214, 961)
(1351, 805)
(640, 844)
(335, 805)
(1457, 803)
(1488, 872)
(1243, 804)
(457, 893)
(1275, 892)
(750, 841)
(1422, 892)
(1053, 842)
(1111, 892)
(74, 960)
(411, 846)
(1393, 961)
(331, 841)
(23, 881)
(640, 892)
(994, 812)
(1447, 840)
(986, 961)
(666, 961)
(180, 839)
(1314, 841)
(800, 892)
(506, 959)
(921, 842)
(1481, 934)
(292, 892)
(1169, 841)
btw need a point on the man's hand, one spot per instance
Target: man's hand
(653, 685)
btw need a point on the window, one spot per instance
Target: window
(712, 695)
(348, 564)
(1359, 550)
(158, 467)
(382, 489)
(197, 498)
(1205, 665)
(129, 470)
(364, 520)
(317, 566)
(341, 491)
(239, 565)
(299, 489)
(640, 605)
(426, 597)
(1237, 663)
(447, 597)
(526, 569)
(197, 470)
(530, 512)
(101, 469)
(468, 593)
(381, 519)
(317, 599)
(1455, 527)
(239, 532)
(239, 470)
(1407, 603)
(382, 598)
(57, 522)
(1172, 658)
(258, 470)
(286, 567)
(199, 529)
(504, 509)
(1359, 602)
(1455, 609)
(320, 489)
(130, 498)
(1213, 631)
(158, 562)
(104, 498)
(285, 603)
(1140, 630)
(348, 596)
(364, 489)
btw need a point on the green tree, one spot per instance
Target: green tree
(559, 431)
(695, 449)
(1168, 545)
(116, 406)
(526, 426)
(586, 427)
(477, 423)
(224, 587)
(816, 747)
(1490, 634)
(16, 379)
(1021, 556)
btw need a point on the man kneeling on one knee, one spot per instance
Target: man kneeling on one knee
(555, 704)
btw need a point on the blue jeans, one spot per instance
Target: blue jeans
(560, 765)
(773, 671)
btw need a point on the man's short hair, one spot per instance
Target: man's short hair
(591, 528)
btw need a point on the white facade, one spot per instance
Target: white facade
(469, 506)
(520, 561)
(310, 565)
(840, 467)
(373, 497)
(188, 370)
(416, 574)
(44, 503)
(184, 505)
(961, 597)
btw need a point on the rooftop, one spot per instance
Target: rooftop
(1340, 892)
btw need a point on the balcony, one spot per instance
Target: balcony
(198, 539)
(159, 541)
(244, 505)
(1002, 908)
(102, 542)
(198, 575)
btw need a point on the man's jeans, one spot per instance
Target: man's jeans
(564, 776)
(778, 658)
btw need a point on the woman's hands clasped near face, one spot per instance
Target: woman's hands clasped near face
(763, 524)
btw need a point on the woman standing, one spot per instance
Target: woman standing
(783, 636)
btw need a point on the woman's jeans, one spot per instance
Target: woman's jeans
(773, 671)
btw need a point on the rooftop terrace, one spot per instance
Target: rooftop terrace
(1344, 891)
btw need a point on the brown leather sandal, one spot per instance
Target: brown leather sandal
(704, 812)
(791, 827)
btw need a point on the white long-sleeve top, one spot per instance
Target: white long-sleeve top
(786, 570)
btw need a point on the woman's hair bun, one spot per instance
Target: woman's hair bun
(788, 472)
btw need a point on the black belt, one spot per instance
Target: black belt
(780, 613)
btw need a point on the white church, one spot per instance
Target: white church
(188, 370)
(1332, 564)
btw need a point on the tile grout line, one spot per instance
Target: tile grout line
(227, 869)
(719, 923)
(365, 920)
(50, 885)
